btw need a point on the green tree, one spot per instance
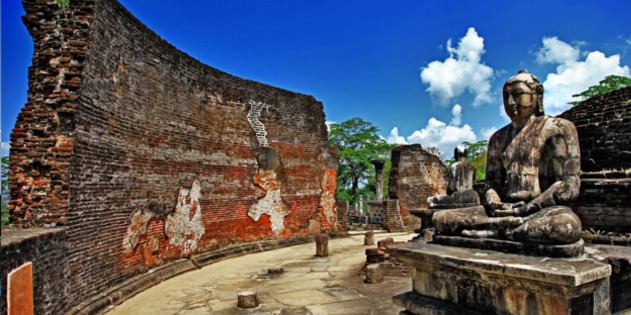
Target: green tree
(359, 143)
(5, 190)
(608, 84)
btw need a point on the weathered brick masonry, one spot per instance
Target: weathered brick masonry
(145, 155)
(603, 124)
(415, 175)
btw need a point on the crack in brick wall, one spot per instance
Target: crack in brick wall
(253, 118)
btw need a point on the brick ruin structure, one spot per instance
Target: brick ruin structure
(131, 155)
(603, 124)
(415, 175)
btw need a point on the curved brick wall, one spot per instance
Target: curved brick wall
(603, 124)
(146, 155)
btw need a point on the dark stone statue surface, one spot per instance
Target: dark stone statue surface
(460, 191)
(533, 169)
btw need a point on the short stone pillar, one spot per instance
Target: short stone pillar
(378, 177)
(322, 245)
(373, 273)
(369, 238)
(247, 299)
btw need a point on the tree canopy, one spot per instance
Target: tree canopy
(359, 143)
(608, 84)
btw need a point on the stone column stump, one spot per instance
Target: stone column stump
(247, 299)
(369, 238)
(373, 273)
(322, 245)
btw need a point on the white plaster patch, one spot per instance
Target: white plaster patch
(184, 227)
(255, 123)
(271, 204)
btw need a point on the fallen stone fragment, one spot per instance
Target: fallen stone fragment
(275, 270)
(247, 299)
(373, 274)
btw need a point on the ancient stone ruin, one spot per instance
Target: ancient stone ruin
(130, 155)
(133, 162)
(415, 176)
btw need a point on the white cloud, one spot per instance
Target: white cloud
(556, 51)
(456, 113)
(462, 71)
(4, 148)
(438, 134)
(572, 75)
(395, 138)
(328, 125)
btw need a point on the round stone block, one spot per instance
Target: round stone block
(369, 238)
(247, 299)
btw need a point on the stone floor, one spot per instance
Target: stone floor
(309, 285)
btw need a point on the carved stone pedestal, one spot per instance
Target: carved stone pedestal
(450, 280)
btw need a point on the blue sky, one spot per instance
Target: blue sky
(427, 72)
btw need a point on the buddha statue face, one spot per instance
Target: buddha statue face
(523, 96)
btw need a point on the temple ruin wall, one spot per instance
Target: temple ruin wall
(145, 155)
(603, 124)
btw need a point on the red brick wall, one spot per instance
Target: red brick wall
(119, 123)
(415, 175)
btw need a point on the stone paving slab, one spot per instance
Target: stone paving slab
(309, 285)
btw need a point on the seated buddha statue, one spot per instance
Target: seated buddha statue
(532, 175)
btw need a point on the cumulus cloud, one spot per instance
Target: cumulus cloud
(456, 113)
(572, 75)
(461, 71)
(438, 134)
(395, 138)
(556, 51)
